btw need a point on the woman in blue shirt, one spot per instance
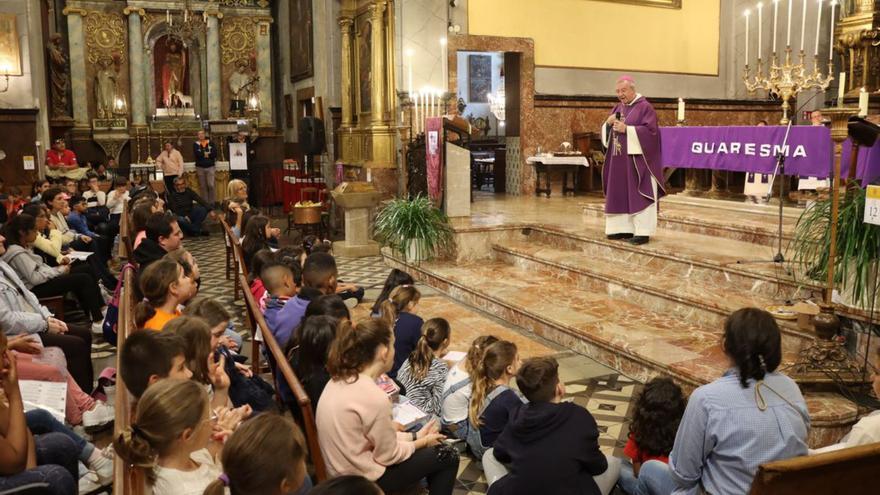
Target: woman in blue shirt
(749, 416)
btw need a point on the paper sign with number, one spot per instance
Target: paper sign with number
(872, 205)
(28, 161)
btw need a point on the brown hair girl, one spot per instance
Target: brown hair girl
(355, 347)
(156, 282)
(498, 361)
(196, 335)
(435, 335)
(398, 301)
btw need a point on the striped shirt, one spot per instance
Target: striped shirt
(426, 393)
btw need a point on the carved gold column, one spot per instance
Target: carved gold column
(856, 40)
(377, 89)
(345, 27)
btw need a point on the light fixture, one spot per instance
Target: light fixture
(191, 26)
(453, 28)
(497, 103)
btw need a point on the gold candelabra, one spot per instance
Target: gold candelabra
(787, 80)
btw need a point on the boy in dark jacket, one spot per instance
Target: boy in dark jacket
(549, 446)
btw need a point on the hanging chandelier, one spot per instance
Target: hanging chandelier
(190, 24)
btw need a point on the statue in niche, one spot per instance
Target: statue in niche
(105, 88)
(239, 82)
(172, 72)
(58, 76)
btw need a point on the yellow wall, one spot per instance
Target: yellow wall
(605, 35)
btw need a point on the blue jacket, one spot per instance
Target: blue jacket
(283, 316)
(77, 222)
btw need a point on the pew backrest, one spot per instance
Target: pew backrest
(850, 470)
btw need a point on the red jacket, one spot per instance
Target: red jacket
(66, 158)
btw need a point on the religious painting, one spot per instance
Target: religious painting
(171, 73)
(302, 63)
(669, 4)
(365, 65)
(479, 78)
(10, 52)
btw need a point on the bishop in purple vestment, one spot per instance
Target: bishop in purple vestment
(632, 176)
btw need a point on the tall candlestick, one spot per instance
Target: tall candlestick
(818, 26)
(803, 24)
(831, 36)
(788, 29)
(747, 36)
(760, 28)
(680, 110)
(841, 89)
(775, 16)
(863, 103)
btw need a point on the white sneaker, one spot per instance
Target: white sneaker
(102, 466)
(101, 414)
(110, 392)
(89, 483)
(98, 327)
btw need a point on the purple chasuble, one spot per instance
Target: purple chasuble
(627, 178)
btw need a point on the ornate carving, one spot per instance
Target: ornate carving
(105, 37)
(147, 21)
(237, 40)
(58, 72)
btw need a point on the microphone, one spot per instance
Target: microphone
(617, 115)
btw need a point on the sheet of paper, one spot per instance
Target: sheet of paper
(51, 396)
(407, 414)
(872, 205)
(78, 255)
(454, 356)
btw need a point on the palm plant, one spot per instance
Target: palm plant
(857, 245)
(413, 228)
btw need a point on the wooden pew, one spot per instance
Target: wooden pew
(234, 254)
(851, 470)
(126, 245)
(126, 480)
(283, 368)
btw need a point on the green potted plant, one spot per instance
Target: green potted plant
(413, 228)
(857, 247)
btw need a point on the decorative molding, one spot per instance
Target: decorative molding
(237, 39)
(106, 36)
(130, 10)
(75, 11)
(666, 4)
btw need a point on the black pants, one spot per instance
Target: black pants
(424, 463)
(169, 184)
(77, 347)
(82, 285)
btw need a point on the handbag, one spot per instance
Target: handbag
(111, 319)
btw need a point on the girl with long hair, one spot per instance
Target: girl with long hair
(266, 455)
(309, 351)
(492, 400)
(395, 279)
(423, 374)
(454, 403)
(165, 286)
(355, 430)
(658, 411)
(256, 237)
(397, 313)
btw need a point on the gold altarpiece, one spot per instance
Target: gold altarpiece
(368, 133)
(857, 40)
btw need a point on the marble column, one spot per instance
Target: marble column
(264, 70)
(214, 97)
(345, 26)
(377, 89)
(76, 43)
(135, 65)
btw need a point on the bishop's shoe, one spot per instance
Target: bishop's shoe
(639, 240)
(619, 237)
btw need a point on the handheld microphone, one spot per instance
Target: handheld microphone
(617, 115)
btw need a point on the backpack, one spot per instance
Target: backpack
(111, 320)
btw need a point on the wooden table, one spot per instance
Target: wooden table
(568, 165)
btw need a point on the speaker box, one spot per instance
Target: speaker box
(311, 136)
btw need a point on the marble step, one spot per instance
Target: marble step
(652, 286)
(711, 259)
(620, 334)
(757, 226)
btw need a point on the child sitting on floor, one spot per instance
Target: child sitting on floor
(457, 389)
(397, 312)
(395, 279)
(266, 455)
(658, 411)
(493, 402)
(147, 357)
(423, 374)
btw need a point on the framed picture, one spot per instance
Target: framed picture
(479, 78)
(302, 63)
(668, 4)
(288, 111)
(10, 52)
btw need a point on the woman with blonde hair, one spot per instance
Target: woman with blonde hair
(397, 313)
(236, 204)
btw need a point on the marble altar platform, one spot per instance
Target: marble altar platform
(544, 265)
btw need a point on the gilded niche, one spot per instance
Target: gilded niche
(237, 39)
(105, 37)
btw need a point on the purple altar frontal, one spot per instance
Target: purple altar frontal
(809, 152)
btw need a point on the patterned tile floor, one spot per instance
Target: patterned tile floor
(601, 390)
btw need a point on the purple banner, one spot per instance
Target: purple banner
(868, 165)
(748, 149)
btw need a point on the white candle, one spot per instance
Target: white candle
(680, 110)
(841, 89)
(818, 26)
(775, 17)
(760, 28)
(788, 29)
(831, 36)
(863, 103)
(803, 24)
(416, 121)
(747, 36)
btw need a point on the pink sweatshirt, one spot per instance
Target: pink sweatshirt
(355, 430)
